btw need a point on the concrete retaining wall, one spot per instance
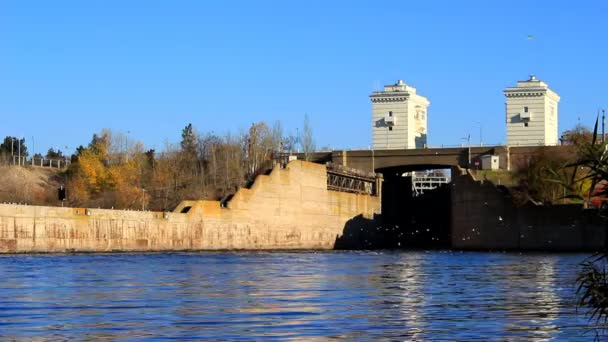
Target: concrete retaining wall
(290, 208)
(484, 217)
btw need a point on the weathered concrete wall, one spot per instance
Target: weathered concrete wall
(290, 208)
(484, 217)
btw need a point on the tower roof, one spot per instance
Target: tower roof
(531, 87)
(399, 91)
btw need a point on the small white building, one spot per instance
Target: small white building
(531, 113)
(399, 118)
(489, 162)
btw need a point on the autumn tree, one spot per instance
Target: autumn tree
(108, 173)
(113, 171)
(577, 136)
(534, 175)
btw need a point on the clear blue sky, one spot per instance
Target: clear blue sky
(70, 68)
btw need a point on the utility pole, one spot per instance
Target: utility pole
(13, 150)
(19, 152)
(468, 139)
(469, 154)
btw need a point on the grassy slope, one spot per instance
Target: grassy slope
(31, 185)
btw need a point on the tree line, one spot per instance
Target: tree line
(537, 174)
(115, 171)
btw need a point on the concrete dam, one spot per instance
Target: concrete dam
(310, 206)
(290, 208)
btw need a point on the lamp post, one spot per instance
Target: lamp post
(480, 133)
(468, 139)
(532, 52)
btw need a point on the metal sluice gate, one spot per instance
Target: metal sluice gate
(343, 179)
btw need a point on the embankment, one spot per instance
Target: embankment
(290, 208)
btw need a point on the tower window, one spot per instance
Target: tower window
(390, 113)
(525, 124)
(390, 128)
(525, 109)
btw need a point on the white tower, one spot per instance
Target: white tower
(399, 118)
(531, 114)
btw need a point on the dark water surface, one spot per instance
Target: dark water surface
(393, 296)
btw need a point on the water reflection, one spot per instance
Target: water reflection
(409, 282)
(290, 296)
(533, 290)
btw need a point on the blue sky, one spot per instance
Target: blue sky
(148, 68)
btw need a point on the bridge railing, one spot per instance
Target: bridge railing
(461, 145)
(465, 145)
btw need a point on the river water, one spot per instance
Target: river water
(391, 296)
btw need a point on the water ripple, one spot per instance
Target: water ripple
(386, 296)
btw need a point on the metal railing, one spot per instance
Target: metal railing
(41, 162)
(344, 179)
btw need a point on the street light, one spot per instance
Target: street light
(480, 133)
(468, 139)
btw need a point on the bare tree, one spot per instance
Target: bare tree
(277, 137)
(307, 140)
(260, 144)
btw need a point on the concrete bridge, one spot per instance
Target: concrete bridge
(434, 158)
